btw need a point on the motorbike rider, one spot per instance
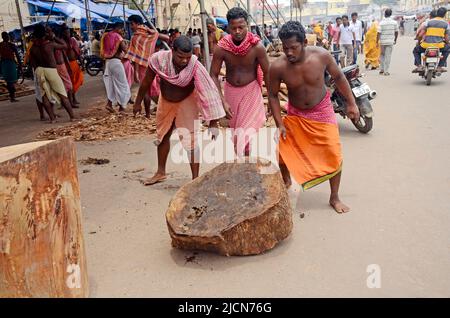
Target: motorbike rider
(436, 33)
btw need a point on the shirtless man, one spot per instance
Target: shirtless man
(42, 59)
(246, 63)
(309, 148)
(185, 88)
(62, 64)
(73, 53)
(215, 34)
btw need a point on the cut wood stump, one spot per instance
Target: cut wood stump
(234, 209)
(41, 242)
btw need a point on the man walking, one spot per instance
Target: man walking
(246, 65)
(346, 42)
(8, 65)
(386, 38)
(357, 27)
(309, 147)
(116, 83)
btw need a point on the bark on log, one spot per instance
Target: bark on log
(41, 242)
(234, 209)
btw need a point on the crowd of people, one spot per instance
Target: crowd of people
(181, 86)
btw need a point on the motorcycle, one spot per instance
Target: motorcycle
(363, 95)
(430, 62)
(93, 64)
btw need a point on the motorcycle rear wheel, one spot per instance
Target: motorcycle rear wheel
(364, 124)
(91, 69)
(429, 77)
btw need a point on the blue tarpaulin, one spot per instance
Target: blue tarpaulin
(68, 9)
(105, 9)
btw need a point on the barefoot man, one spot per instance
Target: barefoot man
(309, 146)
(50, 84)
(246, 64)
(116, 83)
(186, 88)
(73, 52)
(62, 65)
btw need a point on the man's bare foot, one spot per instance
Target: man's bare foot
(52, 121)
(155, 179)
(121, 109)
(110, 109)
(74, 118)
(338, 206)
(43, 118)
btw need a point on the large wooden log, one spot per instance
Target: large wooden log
(41, 243)
(234, 209)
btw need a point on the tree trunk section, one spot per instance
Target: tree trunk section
(234, 209)
(41, 242)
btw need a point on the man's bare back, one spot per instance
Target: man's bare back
(304, 80)
(43, 55)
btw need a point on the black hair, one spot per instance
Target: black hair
(388, 12)
(237, 13)
(345, 17)
(433, 14)
(97, 36)
(158, 29)
(338, 18)
(136, 19)
(39, 31)
(354, 14)
(117, 25)
(441, 12)
(5, 35)
(183, 43)
(292, 28)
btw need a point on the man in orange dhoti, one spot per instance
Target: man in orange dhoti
(246, 64)
(141, 48)
(309, 147)
(185, 85)
(73, 52)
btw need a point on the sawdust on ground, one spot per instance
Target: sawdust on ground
(98, 124)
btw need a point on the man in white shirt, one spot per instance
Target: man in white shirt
(346, 40)
(358, 29)
(386, 38)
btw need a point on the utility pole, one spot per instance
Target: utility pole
(205, 34)
(88, 20)
(278, 16)
(19, 14)
(263, 6)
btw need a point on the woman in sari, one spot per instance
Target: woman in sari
(370, 47)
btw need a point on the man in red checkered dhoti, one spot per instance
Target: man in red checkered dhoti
(140, 50)
(246, 65)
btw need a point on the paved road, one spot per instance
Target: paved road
(396, 179)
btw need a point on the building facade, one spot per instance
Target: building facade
(9, 18)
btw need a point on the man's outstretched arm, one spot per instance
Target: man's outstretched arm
(263, 60)
(274, 102)
(216, 65)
